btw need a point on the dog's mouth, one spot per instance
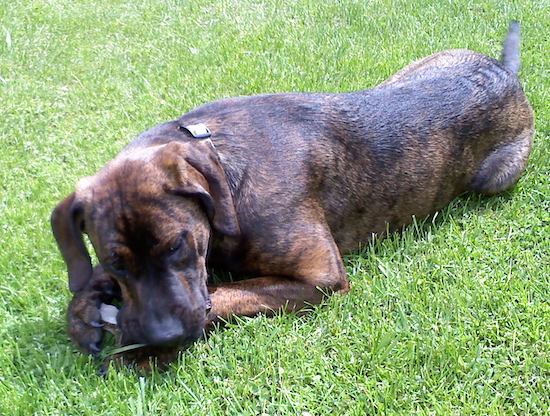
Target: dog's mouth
(126, 341)
(141, 356)
(179, 328)
(109, 314)
(137, 355)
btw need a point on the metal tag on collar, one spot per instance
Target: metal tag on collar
(198, 131)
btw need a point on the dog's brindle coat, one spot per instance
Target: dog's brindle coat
(286, 185)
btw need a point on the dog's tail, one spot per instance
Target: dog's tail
(510, 50)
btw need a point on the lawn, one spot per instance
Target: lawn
(450, 317)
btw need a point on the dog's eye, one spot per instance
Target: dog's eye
(116, 265)
(176, 246)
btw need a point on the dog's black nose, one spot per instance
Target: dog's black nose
(168, 331)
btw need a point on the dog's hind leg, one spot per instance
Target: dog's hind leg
(501, 169)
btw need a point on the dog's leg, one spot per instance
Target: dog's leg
(311, 269)
(84, 320)
(503, 167)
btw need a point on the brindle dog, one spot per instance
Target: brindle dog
(286, 184)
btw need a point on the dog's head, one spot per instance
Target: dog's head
(149, 215)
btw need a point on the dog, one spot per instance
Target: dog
(276, 188)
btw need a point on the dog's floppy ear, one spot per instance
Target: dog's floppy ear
(214, 193)
(67, 224)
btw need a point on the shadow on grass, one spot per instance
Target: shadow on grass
(457, 213)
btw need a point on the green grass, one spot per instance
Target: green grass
(451, 317)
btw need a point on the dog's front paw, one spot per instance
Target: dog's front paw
(85, 324)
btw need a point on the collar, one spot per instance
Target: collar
(198, 131)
